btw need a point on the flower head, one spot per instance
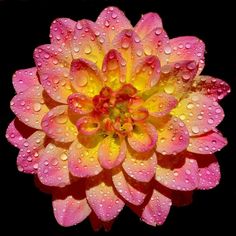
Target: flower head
(114, 114)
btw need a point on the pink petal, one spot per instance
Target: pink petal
(53, 166)
(30, 151)
(143, 138)
(58, 126)
(29, 106)
(211, 87)
(140, 166)
(17, 133)
(188, 48)
(173, 135)
(157, 209)
(147, 23)
(160, 104)
(111, 152)
(177, 172)
(61, 31)
(102, 198)
(24, 79)
(176, 79)
(199, 113)
(112, 20)
(209, 172)
(146, 73)
(70, 205)
(83, 161)
(86, 78)
(131, 190)
(114, 69)
(207, 143)
(128, 43)
(89, 42)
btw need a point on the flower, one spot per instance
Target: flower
(115, 115)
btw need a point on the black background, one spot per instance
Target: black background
(24, 25)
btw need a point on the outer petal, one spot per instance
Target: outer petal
(61, 31)
(147, 23)
(24, 79)
(211, 87)
(143, 137)
(86, 77)
(173, 135)
(199, 113)
(102, 198)
(188, 48)
(160, 104)
(128, 43)
(147, 73)
(140, 166)
(177, 172)
(176, 79)
(28, 157)
(111, 152)
(131, 190)
(53, 166)
(207, 143)
(114, 69)
(157, 209)
(89, 42)
(112, 20)
(29, 106)
(70, 205)
(83, 160)
(58, 126)
(17, 133)
(209, 172)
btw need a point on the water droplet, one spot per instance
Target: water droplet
(87, 49)
(210, 121)
(195, 129)
(37, 107)
(63, 157)
(62, 119)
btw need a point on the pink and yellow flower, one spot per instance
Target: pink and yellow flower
(116, 115)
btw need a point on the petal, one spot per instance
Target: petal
(87, 125)
(29, 106)
(147, 73)
(140, 166)
(143, 137)
(147, 23)
(61, 31)
(70, 206)
(86, 77)
(207, 143)
(177, 172)
(17, 133)
(173, 135)
(157, 209)
(131, 190)
(211, 87)
(102, 198)
(114, 69)
(89, 42)
(176, 79)
(28, 157)
(58, 126)
(111, 152)
(53, 166)
(83, 161)
(188, 48)
(209, 172)
(112, 20)
(128, 43)
(160, 104)
(157, 43)
(24, 79)
(199, 113)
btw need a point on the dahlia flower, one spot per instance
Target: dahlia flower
(115, 115)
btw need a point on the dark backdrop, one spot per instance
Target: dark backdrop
(25, 25)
